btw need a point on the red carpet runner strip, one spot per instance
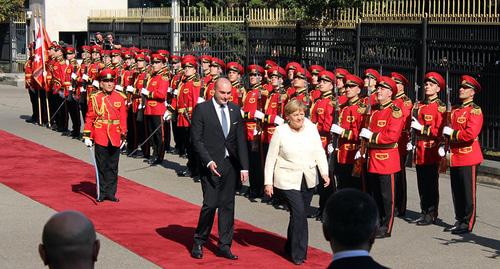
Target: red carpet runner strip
(152, 224)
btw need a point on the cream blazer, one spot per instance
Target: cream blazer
(292, 155)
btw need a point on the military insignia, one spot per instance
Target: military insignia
(441, 109)
(461, 119)
(465, 150)
(408, 102)
(361, 109)
(251, 100)
(152, 103)
(427, 117)
(381, 156)
(381, 123)
(351, 119)
(274, 105)
(117, 104)
(154, 83)
(476, 110)
(185, 91)
(93, 70)
(197, 83)
(320, 111)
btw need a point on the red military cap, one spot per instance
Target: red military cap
(163, 53)
(236, 67)
(127, 54)
(175, 59)
(269, 64)
(218, 62)
(372, 73)
(351, 79)
(276, 71)
(255, 69)
(302, 73)
(388, 83)
(96, 49)
(292, 65)
(399, 78)
(158, 58)
(326, 76)
(146, 51)
(435, 78)
(106, 52)
(140, 57)
(205, 58)
(107, 74)
(134, 50)
(86, 48)
(341, 72)
(190, 61)
(123, 50)
(116, 53)
(470, 82)
(316, 69)
(70, 50)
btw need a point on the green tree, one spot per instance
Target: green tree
(10, 8)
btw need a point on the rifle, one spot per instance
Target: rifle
(142, 106)
(74, 85)
(443, 165)
(411, 157)
(332, 157)
(360, 163)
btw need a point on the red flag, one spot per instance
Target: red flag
(39, 58)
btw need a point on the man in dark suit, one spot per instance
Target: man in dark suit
(219, 140)
(350, 222)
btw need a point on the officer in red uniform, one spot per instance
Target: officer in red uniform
(340, 74)
(205, 61)
(315, 92)
(386, 123)
(216, 68)
(234, 73)
(405, 104)
(106, 126)
(299, 89)
(83, 84)
(429, 126)
(58, 91)
(466, 124)
(350, 124)
(177, 77)
(290, 73)
(156, 93)
(31, 86)
(371, 78)
(72, 92)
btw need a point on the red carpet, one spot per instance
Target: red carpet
(155, 225)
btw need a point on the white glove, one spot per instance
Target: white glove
(242, 113)
(330, 148)
(85, 77)
(70, 88)
(366, 133)
(119, 88)
(279, 120)
(441, 151)
(358, 155)
(95, 83)
(167, 116)
(255, 132)
(61, 94)
(447, 131)
(336, 129)
(176, 92)
(88, 142)
(144, 92)
(409, 146)
(130, 89)
(258, 114)
(200, 100)
(44, 73)
(82, 89)
(169, 90)
(141, 106)
(415, 124)
(74, 76)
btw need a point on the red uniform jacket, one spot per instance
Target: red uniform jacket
(188, 93)
(237, 92)
(430, 115)
(155, 101)
(106, 120)
(275, 106)
(351, 119)
(209, 88)
(68, 81)
(386, 123)
(254, 99)
(28, 72)
(141, 81)
(93, 74)
(322, 115)
(58, 75)
(467, 121)
(404, 103)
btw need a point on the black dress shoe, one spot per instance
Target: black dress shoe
(113, 199)
(382, 233)
(196, 179)
(422, 217)
(185, 173)
(452, 228)
(197, 251)
(99, 200)
(462, 229)
(227, 254)
(299, 262)
(155, 162)
(427, 219)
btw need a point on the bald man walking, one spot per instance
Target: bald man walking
(69, 241)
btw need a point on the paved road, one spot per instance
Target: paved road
(409, 247)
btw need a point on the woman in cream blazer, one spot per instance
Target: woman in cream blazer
(295, 154)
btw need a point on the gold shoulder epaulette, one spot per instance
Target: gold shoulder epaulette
(396, 112)
(122, 94)
(196, 82)
(476, 110)
(362, 108)
(441, 108)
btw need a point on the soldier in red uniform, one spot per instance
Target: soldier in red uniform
(404, 103)
(31, 87)
(58, 68)
(205, 68)
(234, 73)
(371, 77)
(429, 127)
(216, 68)
(290, 73)
(72, 92)
(463, 132)
(177, 77)
(83, 83)
(106, 126)
(386, 123)
(315, 92)
(350, 124)
(156, 93)
(340, 74)
(299, 89)
(96, 67)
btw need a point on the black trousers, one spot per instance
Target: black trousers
(382, 187)
(83, 105)
(297, 234)
(34, 104)
(175, 131)
(43, 105)
(343, 172)
(153, 122)
(74, 113)
(132, 141)
(193, 163)
(255, 171)
(428, 188)
(218, 194)
(183, 137)
(107, 164)
(400, 187)
(463, 189)
(167, 134)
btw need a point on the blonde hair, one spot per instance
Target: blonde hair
(294, 105)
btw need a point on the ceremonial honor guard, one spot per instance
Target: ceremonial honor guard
(59, 111)
(106, 126)
(234, 73)
(156, 93)
(83, 83)
(216, 67)
(290, 73)
(371, 78)
(30, 86)
(72, 93)
(340, 74)
(465, 157)
(386, 123)
(177, 77)
(315, 92)
(205, 68)
(429, 126)
(139, 126)
(299, 89)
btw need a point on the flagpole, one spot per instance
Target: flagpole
(44, 74)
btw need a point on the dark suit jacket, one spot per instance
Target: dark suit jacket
(362, 262)
(208, 138)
